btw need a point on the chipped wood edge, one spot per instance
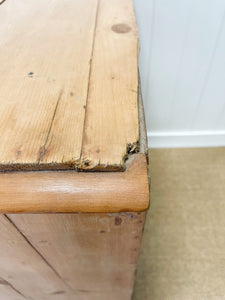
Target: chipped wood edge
(66, 191)
(141, 146)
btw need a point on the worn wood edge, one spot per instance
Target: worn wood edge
(141, 146)
(143, 140)
(83, 164)
(67, 191)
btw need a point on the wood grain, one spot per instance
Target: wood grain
(44, 80)
(23, 272)
(93, 253)
(48, 53)
(111, 122)
(67, 191)
(7, 292)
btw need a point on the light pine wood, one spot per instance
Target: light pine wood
(7, 292)
(66, 134)
(49, 50)
(69, 102)
(111, 122)
(93, 253)
(23, 272)
(45, 52)
(66, 191)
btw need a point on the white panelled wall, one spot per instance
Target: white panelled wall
(182, 67)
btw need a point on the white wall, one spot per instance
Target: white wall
(182, 66)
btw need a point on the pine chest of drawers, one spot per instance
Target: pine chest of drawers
(73, 162)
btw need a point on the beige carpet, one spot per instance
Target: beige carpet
(183, 247)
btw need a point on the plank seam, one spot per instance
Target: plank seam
(32, 246)
(7, 283)
(89, 76)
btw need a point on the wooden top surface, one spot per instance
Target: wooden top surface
(69, 82)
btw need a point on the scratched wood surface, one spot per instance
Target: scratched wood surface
(8, 293)
(68, 92)
(94, 254)
(24, 274)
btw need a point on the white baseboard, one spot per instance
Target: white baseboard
(186, 139)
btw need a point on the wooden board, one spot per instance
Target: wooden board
(7, 292)
(68, 90)
(111, 122)
(66, 191)
(95, 254)
(24, 274)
